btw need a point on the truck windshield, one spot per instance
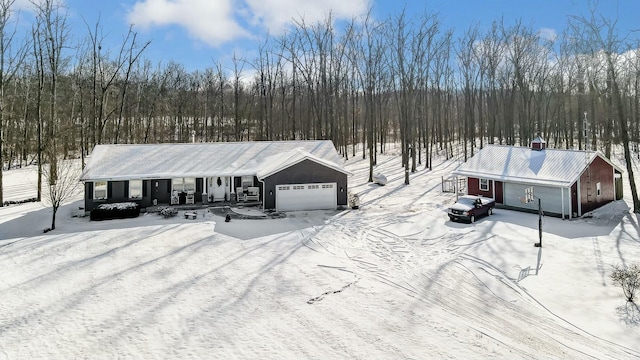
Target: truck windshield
(466, 201)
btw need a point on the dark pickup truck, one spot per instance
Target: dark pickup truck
(469, 207)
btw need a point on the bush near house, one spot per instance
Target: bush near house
(116, 211)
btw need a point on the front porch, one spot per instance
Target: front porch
(242, 210)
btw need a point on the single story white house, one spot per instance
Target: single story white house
(281, 175)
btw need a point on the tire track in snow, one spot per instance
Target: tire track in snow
(424, 268)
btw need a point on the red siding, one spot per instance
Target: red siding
(574, 199)
(499, 193)
(473, 187)
(599, 171)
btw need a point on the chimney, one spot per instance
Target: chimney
(538, 144)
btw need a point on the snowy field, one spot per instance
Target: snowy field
(393, 280)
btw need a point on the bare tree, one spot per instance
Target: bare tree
(599, 36)
(492, 50)
(367, 58)
(11, 57)
(628, 278)
(52, 35)
(128, 57)
(469, 73)
(63, 185)
(238, 106)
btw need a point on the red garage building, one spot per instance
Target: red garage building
(569, 183)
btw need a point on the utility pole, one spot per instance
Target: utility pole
(539, 244)
(586, 138)
(529, 196)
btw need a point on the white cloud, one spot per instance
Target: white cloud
(220, 21)
(212, 22)
(276, 15)
(23, 5)
(548, 34)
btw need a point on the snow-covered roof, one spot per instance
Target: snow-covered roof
(538, 140)
(279, 162)
(548, 167)
(165, 161)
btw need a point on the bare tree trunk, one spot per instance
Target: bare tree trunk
(11, 56)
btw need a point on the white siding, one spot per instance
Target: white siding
(551, 198)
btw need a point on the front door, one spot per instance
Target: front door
(161, 190)
(217, 188)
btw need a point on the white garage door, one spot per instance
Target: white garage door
(306, 197)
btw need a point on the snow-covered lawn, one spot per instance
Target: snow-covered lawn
(393, 280)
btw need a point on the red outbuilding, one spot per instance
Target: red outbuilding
(569, 183)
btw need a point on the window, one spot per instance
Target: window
(100, 190)
(135, 189)
(484, 185)
(247, 181)
(183, 184)
(598, 189)
(177, 184)
(190, 184)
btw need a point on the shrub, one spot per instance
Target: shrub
(628, 278)
(168, 212)
(115, 211)
(16, 202)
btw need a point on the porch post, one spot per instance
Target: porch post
(562, 200)
(205, 186)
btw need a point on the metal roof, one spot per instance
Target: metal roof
(548, 167)
(165, 161)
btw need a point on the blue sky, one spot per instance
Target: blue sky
(197, 32)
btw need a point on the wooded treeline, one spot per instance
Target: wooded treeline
(402, 79)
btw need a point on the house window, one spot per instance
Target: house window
(135, 189)
(484, 185)
(183, 184)
(247, 181)
(598, 189)
(100, 190)
(177, 184)
(190, 184)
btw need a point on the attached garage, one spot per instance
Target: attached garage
(306, 197)
(297, 180)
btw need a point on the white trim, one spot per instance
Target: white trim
(579, 198)
(486, 187)
(95, 189)
(139, 188)
(562, 200)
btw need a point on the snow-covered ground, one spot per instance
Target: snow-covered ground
(393, 280)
